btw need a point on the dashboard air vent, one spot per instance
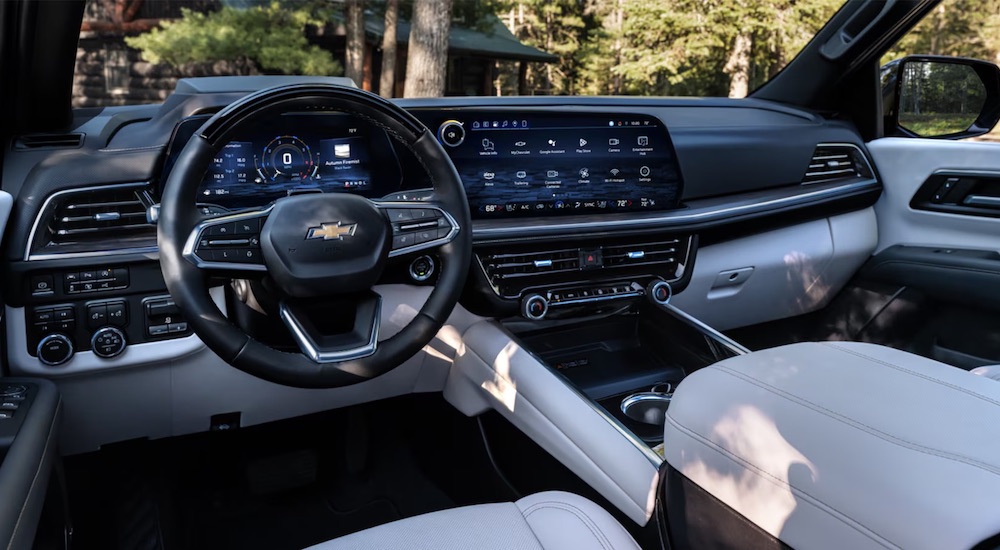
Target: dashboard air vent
(510, 269)
(512, 266)
(48, 141)
(94, 220)
(833, 162)
(648, 253)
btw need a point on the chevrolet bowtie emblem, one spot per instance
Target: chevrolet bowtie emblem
(330, 231)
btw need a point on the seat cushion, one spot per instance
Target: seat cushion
(551, 520)
(844, 445)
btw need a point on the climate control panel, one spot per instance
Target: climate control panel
(105, 327)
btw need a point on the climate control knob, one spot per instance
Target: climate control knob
(535, 307)
(660, 292)
(108, 342)
(55, 349)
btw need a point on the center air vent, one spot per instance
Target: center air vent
(834, 162)
(98, 219)
(511, 269)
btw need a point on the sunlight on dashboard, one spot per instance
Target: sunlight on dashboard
(805, 273)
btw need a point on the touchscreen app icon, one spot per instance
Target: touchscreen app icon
(613, 141)
(552, 174)
(521, 174)
(488, 145)
(643, 141)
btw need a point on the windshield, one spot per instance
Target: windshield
(133, 51)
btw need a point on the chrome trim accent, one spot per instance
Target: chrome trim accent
(637, 255)
(982, 200)
(603, 298)
(195, 236)
(701, 327)
(107, 216)
(678, 217)
(641, 397)
(543, 263)
(98, 332)
(28, 256)
(430, 262)
(312, 350)
(416, 205)
(54, 336)
(153, 214)
(660, 284)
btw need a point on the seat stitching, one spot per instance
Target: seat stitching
(889, 438)
(913, 373)
(864, 529)
(580, 514)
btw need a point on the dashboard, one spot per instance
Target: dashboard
(555, 231)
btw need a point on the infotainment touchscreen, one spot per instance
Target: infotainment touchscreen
(557, 163)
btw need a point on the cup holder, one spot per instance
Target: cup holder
(647, 407)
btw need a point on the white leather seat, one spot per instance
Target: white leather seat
(843, 445)
(551, 520)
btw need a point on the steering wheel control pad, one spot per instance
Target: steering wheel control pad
(323, 244)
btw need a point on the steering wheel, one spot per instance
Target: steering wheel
(313, 248)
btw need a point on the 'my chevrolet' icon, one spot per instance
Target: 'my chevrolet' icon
(330, 231)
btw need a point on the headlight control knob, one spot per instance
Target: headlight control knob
(55, 349)
(108, 342)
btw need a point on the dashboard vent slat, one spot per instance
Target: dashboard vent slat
(831, 162)
(511, 269)
(48, 141)
(95, 220)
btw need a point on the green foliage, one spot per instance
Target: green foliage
(272, 36)
(964, 28)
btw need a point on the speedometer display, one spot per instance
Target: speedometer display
(287, 158)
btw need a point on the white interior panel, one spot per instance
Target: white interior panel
(777, 274)
(493, 371)
(903, 165)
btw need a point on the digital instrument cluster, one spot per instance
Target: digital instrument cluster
(542, 164)
(294, 154)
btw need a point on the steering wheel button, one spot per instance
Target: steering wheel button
(400, 214)
(247, 256)
(404, 240)
(425, 236)
(248, 227)
(221, 230)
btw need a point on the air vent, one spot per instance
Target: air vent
(512, 266)
(48, 141)
(511, 269)
(649, 253)
(834, 162)
(94, 220)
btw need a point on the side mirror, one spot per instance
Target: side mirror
(933, 96)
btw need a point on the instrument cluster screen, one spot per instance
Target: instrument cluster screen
(555, 163)
(294, 154)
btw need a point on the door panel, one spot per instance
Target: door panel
(904, 164)
(940, 246)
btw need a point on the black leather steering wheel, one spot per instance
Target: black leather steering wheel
(313, 246)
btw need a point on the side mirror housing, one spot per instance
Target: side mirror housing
(932, 96)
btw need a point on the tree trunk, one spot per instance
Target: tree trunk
(427, 59)
(354, 56)
(738, 66)
(387, 83)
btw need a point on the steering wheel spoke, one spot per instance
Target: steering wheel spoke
(418, 226)
(328, 333)
(228, 243)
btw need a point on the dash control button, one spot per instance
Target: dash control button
(41, 285)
